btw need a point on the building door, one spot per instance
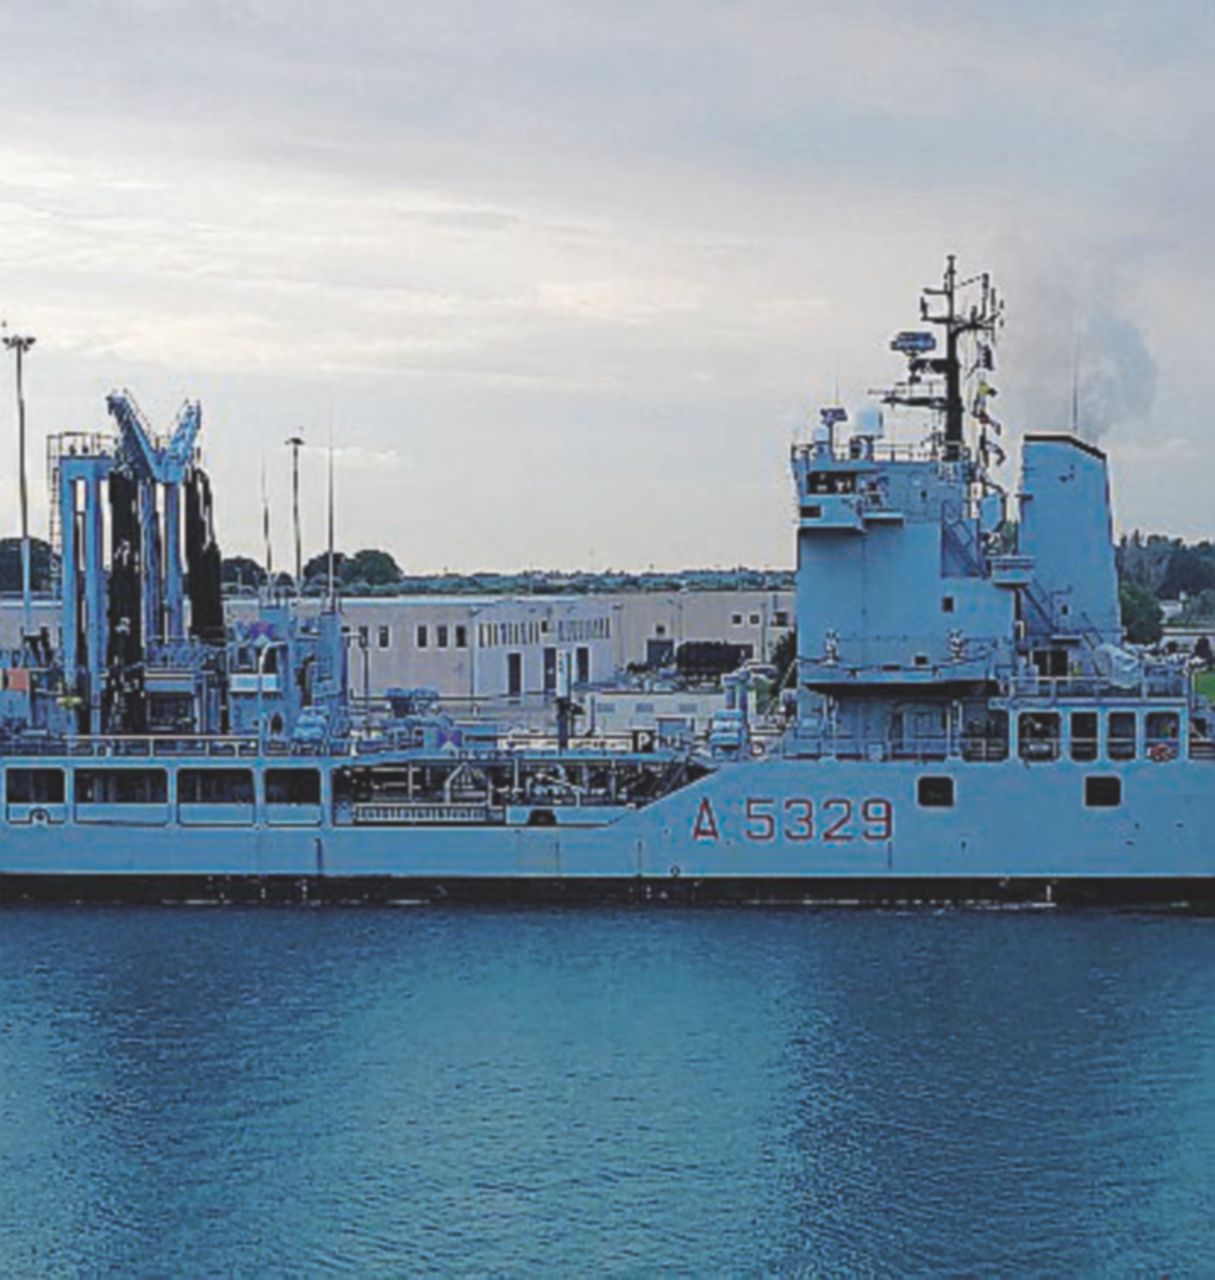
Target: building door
(582, 661)
(550, 671)
(514, 674)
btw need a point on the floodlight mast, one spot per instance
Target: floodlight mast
(19, 344)
(295, 444)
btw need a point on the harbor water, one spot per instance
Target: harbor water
(391, 1091)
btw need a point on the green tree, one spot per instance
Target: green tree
(1141, 614)
(784, 652)
(375, 568)
(241, 571)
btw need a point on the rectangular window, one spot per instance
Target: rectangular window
(441, 631)
(514, 674)
(422, 637)
(935, 793)
(1084, 735)
(34, 786)
(122, 786)
(1038, 735)
(215, 786)
(1121, 744)
(1102, 793)
(582, 665)
(385, 637)
(947, 604)
(736, 619)
(364, 637)
(1163, 735)
(461, 637)
(780, 618)
(293, 786)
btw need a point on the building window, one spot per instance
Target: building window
(442, 635)
(736, 619)
(1102, 793)
(935, 793)
(660, 629)
(755, 619)
(582, 665)
(423, 637)
(461, 637)
(364, 637)
(780, 618)
(384, 637)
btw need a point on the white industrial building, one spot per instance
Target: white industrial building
(478, 648)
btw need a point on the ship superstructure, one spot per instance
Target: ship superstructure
(968, 721)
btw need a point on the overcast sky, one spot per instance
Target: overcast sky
(567, 278)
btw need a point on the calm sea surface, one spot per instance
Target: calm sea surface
(391, 1091)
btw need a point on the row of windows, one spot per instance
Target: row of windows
(780, 618)
(1040, 735)
(151, 786)
(577, 629)
(444, 636)
(492, 635)
(1099, 792)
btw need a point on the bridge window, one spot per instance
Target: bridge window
(1163, 738)
(935, 793)
(1038, 735)
(1102, 793)
(121, 786)
(34, 786)
(293, 786)
(986, 736)
(1122, 735)
(1084, 735)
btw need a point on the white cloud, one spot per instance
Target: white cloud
(555, 258)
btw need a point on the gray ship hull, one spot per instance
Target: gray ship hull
(766, 830)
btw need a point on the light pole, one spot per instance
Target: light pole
(295, 443)
(20, 344)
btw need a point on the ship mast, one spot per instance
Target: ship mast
(943, 394)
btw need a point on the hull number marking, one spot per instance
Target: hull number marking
(800, 820)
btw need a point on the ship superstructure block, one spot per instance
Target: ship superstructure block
(1066, 525)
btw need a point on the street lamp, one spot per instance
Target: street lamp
(20, 344)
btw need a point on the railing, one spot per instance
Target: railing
(1169, 684)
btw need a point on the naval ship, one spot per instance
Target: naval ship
(968, 724)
